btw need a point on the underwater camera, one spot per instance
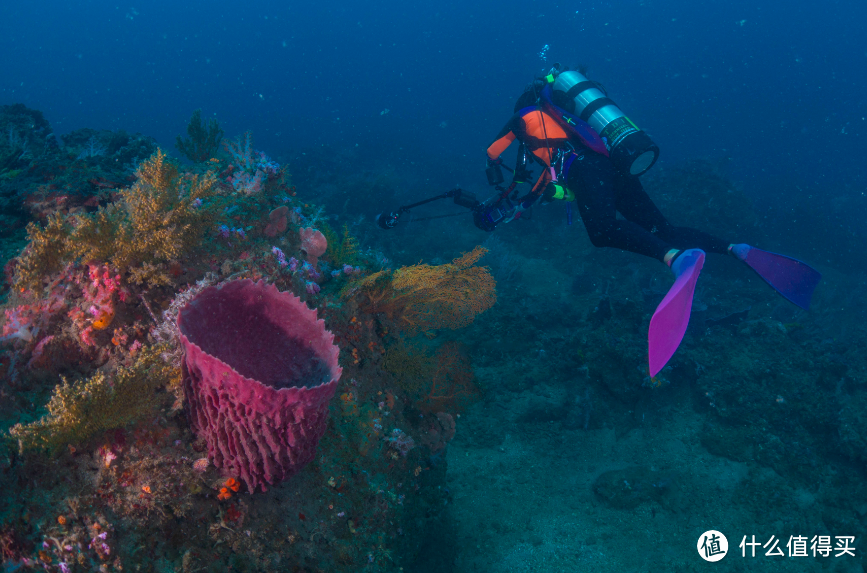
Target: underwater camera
(487, 215)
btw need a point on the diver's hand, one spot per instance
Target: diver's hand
(553, 192)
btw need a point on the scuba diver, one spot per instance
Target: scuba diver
(592, 154)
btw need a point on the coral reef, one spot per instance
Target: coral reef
(41, 175)
(25, 136)
(113, 477)
(768, 397)
(102, 159)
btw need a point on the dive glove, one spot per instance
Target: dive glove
(556, 192)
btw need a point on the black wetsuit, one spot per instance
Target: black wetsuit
(600, 191)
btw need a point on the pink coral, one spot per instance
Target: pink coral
(313, 243)
(104, 284)
(25, 321)
(20, 323)
(99, 291)
(246, 183)
(259, 372)
(39, 350)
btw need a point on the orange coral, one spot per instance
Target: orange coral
(229, 486)
(425, 297)
(104, 319)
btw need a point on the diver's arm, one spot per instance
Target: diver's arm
(503, 140)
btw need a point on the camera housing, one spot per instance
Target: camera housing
(387, 220)
(492, 212)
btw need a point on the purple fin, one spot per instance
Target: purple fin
(790, 277)
(671, 317)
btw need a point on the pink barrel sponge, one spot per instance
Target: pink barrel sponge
(259, 372)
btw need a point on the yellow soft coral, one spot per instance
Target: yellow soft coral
(344, 251)
(78, 411)
(44, 254)
(427, 297)
(160, 218)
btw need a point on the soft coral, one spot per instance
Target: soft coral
(98, 291)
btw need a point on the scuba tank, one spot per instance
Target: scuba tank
(631, 150)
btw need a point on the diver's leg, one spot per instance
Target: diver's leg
(635, 205)
(592, 180)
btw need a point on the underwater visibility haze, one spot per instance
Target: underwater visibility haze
(433, 287)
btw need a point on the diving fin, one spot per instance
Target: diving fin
(669, 321)
(790, 277)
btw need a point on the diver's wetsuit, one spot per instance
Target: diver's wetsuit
(600, 192)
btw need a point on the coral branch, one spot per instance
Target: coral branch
(203, 140)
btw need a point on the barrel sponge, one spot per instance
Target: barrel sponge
(259, 371)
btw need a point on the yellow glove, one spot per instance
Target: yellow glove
(555, 192)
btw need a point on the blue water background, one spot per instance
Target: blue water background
(778, 87)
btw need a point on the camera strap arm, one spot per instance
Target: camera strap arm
(460, 196)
